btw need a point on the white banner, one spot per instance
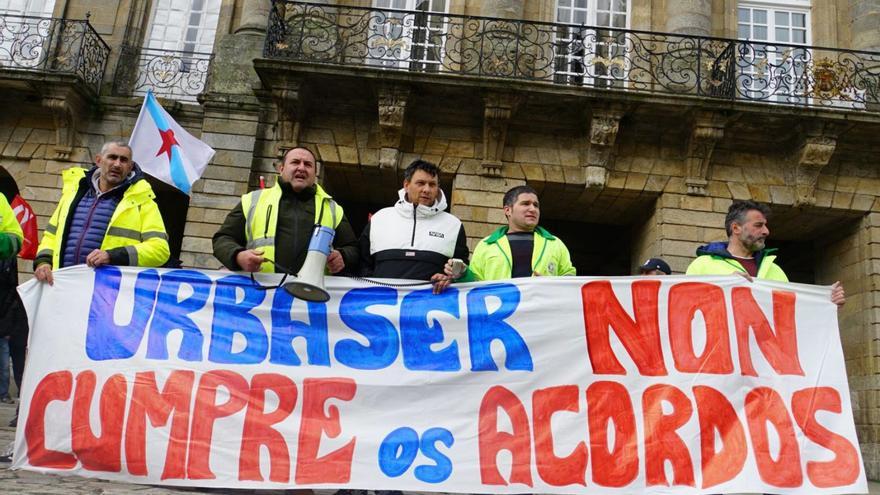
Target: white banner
(539, 385)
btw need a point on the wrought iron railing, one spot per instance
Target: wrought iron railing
(573, 55)
(53, 45)
(170, 74)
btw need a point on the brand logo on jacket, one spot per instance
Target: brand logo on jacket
(436, 234)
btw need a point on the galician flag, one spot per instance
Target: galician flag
(165, 150)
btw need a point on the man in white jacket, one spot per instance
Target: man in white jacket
(414, 238)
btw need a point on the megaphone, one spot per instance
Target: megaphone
(309, 283)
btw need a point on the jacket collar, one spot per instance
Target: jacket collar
(405, 208)
(502, 231)
(719, 250)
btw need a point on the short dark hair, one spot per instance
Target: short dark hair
(424, 166)
(288, 150)
(511, 196)
(738, 211)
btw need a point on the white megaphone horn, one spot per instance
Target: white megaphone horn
(309, 283)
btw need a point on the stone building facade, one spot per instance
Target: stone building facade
(637, 132)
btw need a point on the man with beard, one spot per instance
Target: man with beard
(745, 253)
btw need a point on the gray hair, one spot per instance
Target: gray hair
(121, 144)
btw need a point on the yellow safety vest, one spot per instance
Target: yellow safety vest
(9, 225)
(136, 224)
(260, 209)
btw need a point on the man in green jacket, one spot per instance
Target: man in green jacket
(521, 248)
(745, 253)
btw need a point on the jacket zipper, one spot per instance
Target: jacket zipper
(85, 229)
(268, 217)
(412, 242)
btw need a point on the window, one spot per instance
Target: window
(591, 56)
(774, 70)
(22, 39)
(407, 40)
(38, 8)
(174, 59)
(184, 25)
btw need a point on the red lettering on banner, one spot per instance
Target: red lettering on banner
(716, 413)
(147, 402)
(334, 467)
(610, 401)
(661, 440)
(764, 405)
(640, 337)
(779, 347)
(99, 453)
(258, 429)
(557, 471)
(54, 386)
(206, 411)
(685, 300)
(844, 469)
(491, 441)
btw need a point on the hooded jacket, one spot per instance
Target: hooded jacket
(493, 260)
(714, 259)
(135, 233)
(411, 241)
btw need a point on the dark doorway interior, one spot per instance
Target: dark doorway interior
(797, 259)
(596, 249)
(173, 205)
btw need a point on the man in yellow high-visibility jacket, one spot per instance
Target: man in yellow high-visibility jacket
(11, 236)
(745, 253)
(269, 231)
(106, 215)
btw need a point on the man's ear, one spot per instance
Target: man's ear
(506, 210)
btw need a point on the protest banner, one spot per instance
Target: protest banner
(539, 385)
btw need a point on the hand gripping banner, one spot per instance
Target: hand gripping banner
(542, 385)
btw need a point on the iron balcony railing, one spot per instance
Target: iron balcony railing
(171, 74)
(574, 55)
(52, 45)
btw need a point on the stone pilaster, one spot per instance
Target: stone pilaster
(254, 17)
(693, 17)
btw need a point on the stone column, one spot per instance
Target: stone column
(506, 9)
(865, 19)
(693, 17)
(254, 16)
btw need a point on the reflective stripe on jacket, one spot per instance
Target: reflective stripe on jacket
(260, 210)
(492, 259)
(135, 227)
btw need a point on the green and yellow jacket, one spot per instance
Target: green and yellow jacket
(492, 259)
(714, 259)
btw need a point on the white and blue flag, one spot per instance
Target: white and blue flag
(165, 150)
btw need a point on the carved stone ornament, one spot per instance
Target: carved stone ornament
(68, 109)
(813, 155)
(498, 111)
(291, 113)
(707, 130)
(392, 115)
(604, 126)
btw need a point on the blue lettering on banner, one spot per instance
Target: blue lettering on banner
(384, 344)
(232, 317)
(285, 329)
(442, 469)
(398, 451)
(104, 338)
(484, 327)
(171, 314)
(417, 335)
